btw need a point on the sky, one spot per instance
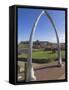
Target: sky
(44, 30)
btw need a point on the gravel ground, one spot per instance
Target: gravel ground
(50, 72)
(47, 71)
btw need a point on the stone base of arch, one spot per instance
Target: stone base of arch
(60, 64)
(30, 73)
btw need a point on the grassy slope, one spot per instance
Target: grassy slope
(43, 55)
(23, 46)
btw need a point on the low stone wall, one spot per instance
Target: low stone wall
(38, 60)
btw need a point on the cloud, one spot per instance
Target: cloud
(62, 38)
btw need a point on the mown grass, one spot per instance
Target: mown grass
(40, 54)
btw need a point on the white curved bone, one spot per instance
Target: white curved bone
(30, 70)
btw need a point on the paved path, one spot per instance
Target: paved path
(50, 72)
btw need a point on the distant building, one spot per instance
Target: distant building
(38, 45)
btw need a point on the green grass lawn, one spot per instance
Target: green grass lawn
(40, 54)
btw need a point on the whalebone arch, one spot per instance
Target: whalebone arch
(30, 70)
